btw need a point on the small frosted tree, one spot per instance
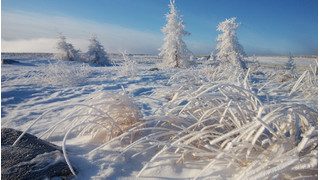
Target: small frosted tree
(174, 50)
(229, 51)
(290, 65)
(96, 53)
(66, 50)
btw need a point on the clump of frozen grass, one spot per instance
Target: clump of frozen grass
(190, 76)
(283, 76)
(229, 127)
(62, 73)
(119, 115)
(254, 65)
(113, 114)
(128, 67)
(290, 87)
(287, 74)
(226, 74)
(103, 117)
(307, 84)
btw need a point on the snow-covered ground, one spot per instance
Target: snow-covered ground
(169, 139)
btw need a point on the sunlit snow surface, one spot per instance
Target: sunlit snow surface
(29, 90)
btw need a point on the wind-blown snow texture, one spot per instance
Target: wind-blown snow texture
(165, 96)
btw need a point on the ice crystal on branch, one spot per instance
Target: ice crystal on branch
(229, 51)
(174, 50)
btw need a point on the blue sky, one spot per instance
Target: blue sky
(269, 27)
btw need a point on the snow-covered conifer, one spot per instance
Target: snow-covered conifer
(229, 51)
(96, 53)
(290, 65)
(174, 50)
(66, 50)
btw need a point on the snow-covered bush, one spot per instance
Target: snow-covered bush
(96, 53)
(62, 73)
(174, 50)
(128, 67)
(229, 51)
(66, 51)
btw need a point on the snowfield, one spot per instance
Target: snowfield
(140, 120)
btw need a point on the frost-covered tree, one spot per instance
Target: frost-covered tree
(174, 50)
(290, 65)
(96, 53)
(229, 51)
(66, 50)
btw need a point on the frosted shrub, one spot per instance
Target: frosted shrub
(96, 53)
(66, 51)
(128, 67)
(174, 50)
(61, 73)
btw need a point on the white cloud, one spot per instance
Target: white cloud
(30, 32)
(30, 45)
